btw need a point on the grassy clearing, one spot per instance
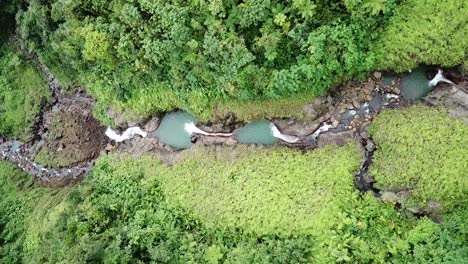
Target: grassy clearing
(423, 150)
(21, 93)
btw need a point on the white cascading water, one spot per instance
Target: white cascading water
(439, 78)
(127, 134)
(287, 138)
(191, 129)
(324, 128)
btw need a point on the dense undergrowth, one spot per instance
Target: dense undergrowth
(124, 212)
(265, 191)
(210, 57)
(22, 91)
(423, 151)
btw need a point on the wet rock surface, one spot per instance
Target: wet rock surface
(152, 124)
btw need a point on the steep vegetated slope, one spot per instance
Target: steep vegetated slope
(22, 93)
(148, 56)
(429, 32)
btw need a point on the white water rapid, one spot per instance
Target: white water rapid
(439, 78)
(191, 129)
(286, 138)
(127, 134)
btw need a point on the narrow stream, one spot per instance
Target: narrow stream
(415, 85)
(173, 129)
(257, 132)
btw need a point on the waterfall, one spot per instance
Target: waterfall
(439, 78)
(191, 129)
(286, 138)
(128, 134)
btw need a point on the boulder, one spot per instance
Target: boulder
(332, 138)
(454, 99)
(296, 128)
(315, 109)
(389, 197)
(152, 124)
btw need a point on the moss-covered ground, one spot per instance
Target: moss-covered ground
(22, 91)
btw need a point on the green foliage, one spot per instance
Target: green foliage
(122, 213)
(21, 93)
(422, 150)
(372, 232)
(266, 191)
(260, 109)
(429, 32)
(146, 56)
(25, 209)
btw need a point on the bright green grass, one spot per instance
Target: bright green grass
(265, 191)
(21, 92)
(422, 150)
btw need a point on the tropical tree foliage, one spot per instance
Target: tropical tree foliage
(158, 55)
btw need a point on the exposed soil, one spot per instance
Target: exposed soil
(73, 135)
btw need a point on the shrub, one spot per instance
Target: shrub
(423, 151)
(122, 214)
(429, 32)
(265, 191)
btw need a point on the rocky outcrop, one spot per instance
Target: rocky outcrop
(296, 128)
(455, 99)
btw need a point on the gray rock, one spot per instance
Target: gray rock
(454, 99)
(339, 138)
(111, 113)
(152, 124)
(370, 146)
(296, 128)
(134, 122)
(434, 206)
(389, 197)
(230, 142)
(364, 135)
(335, 123)
(209, 140)
(315, 109)
(120, 120)
(377, 75)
